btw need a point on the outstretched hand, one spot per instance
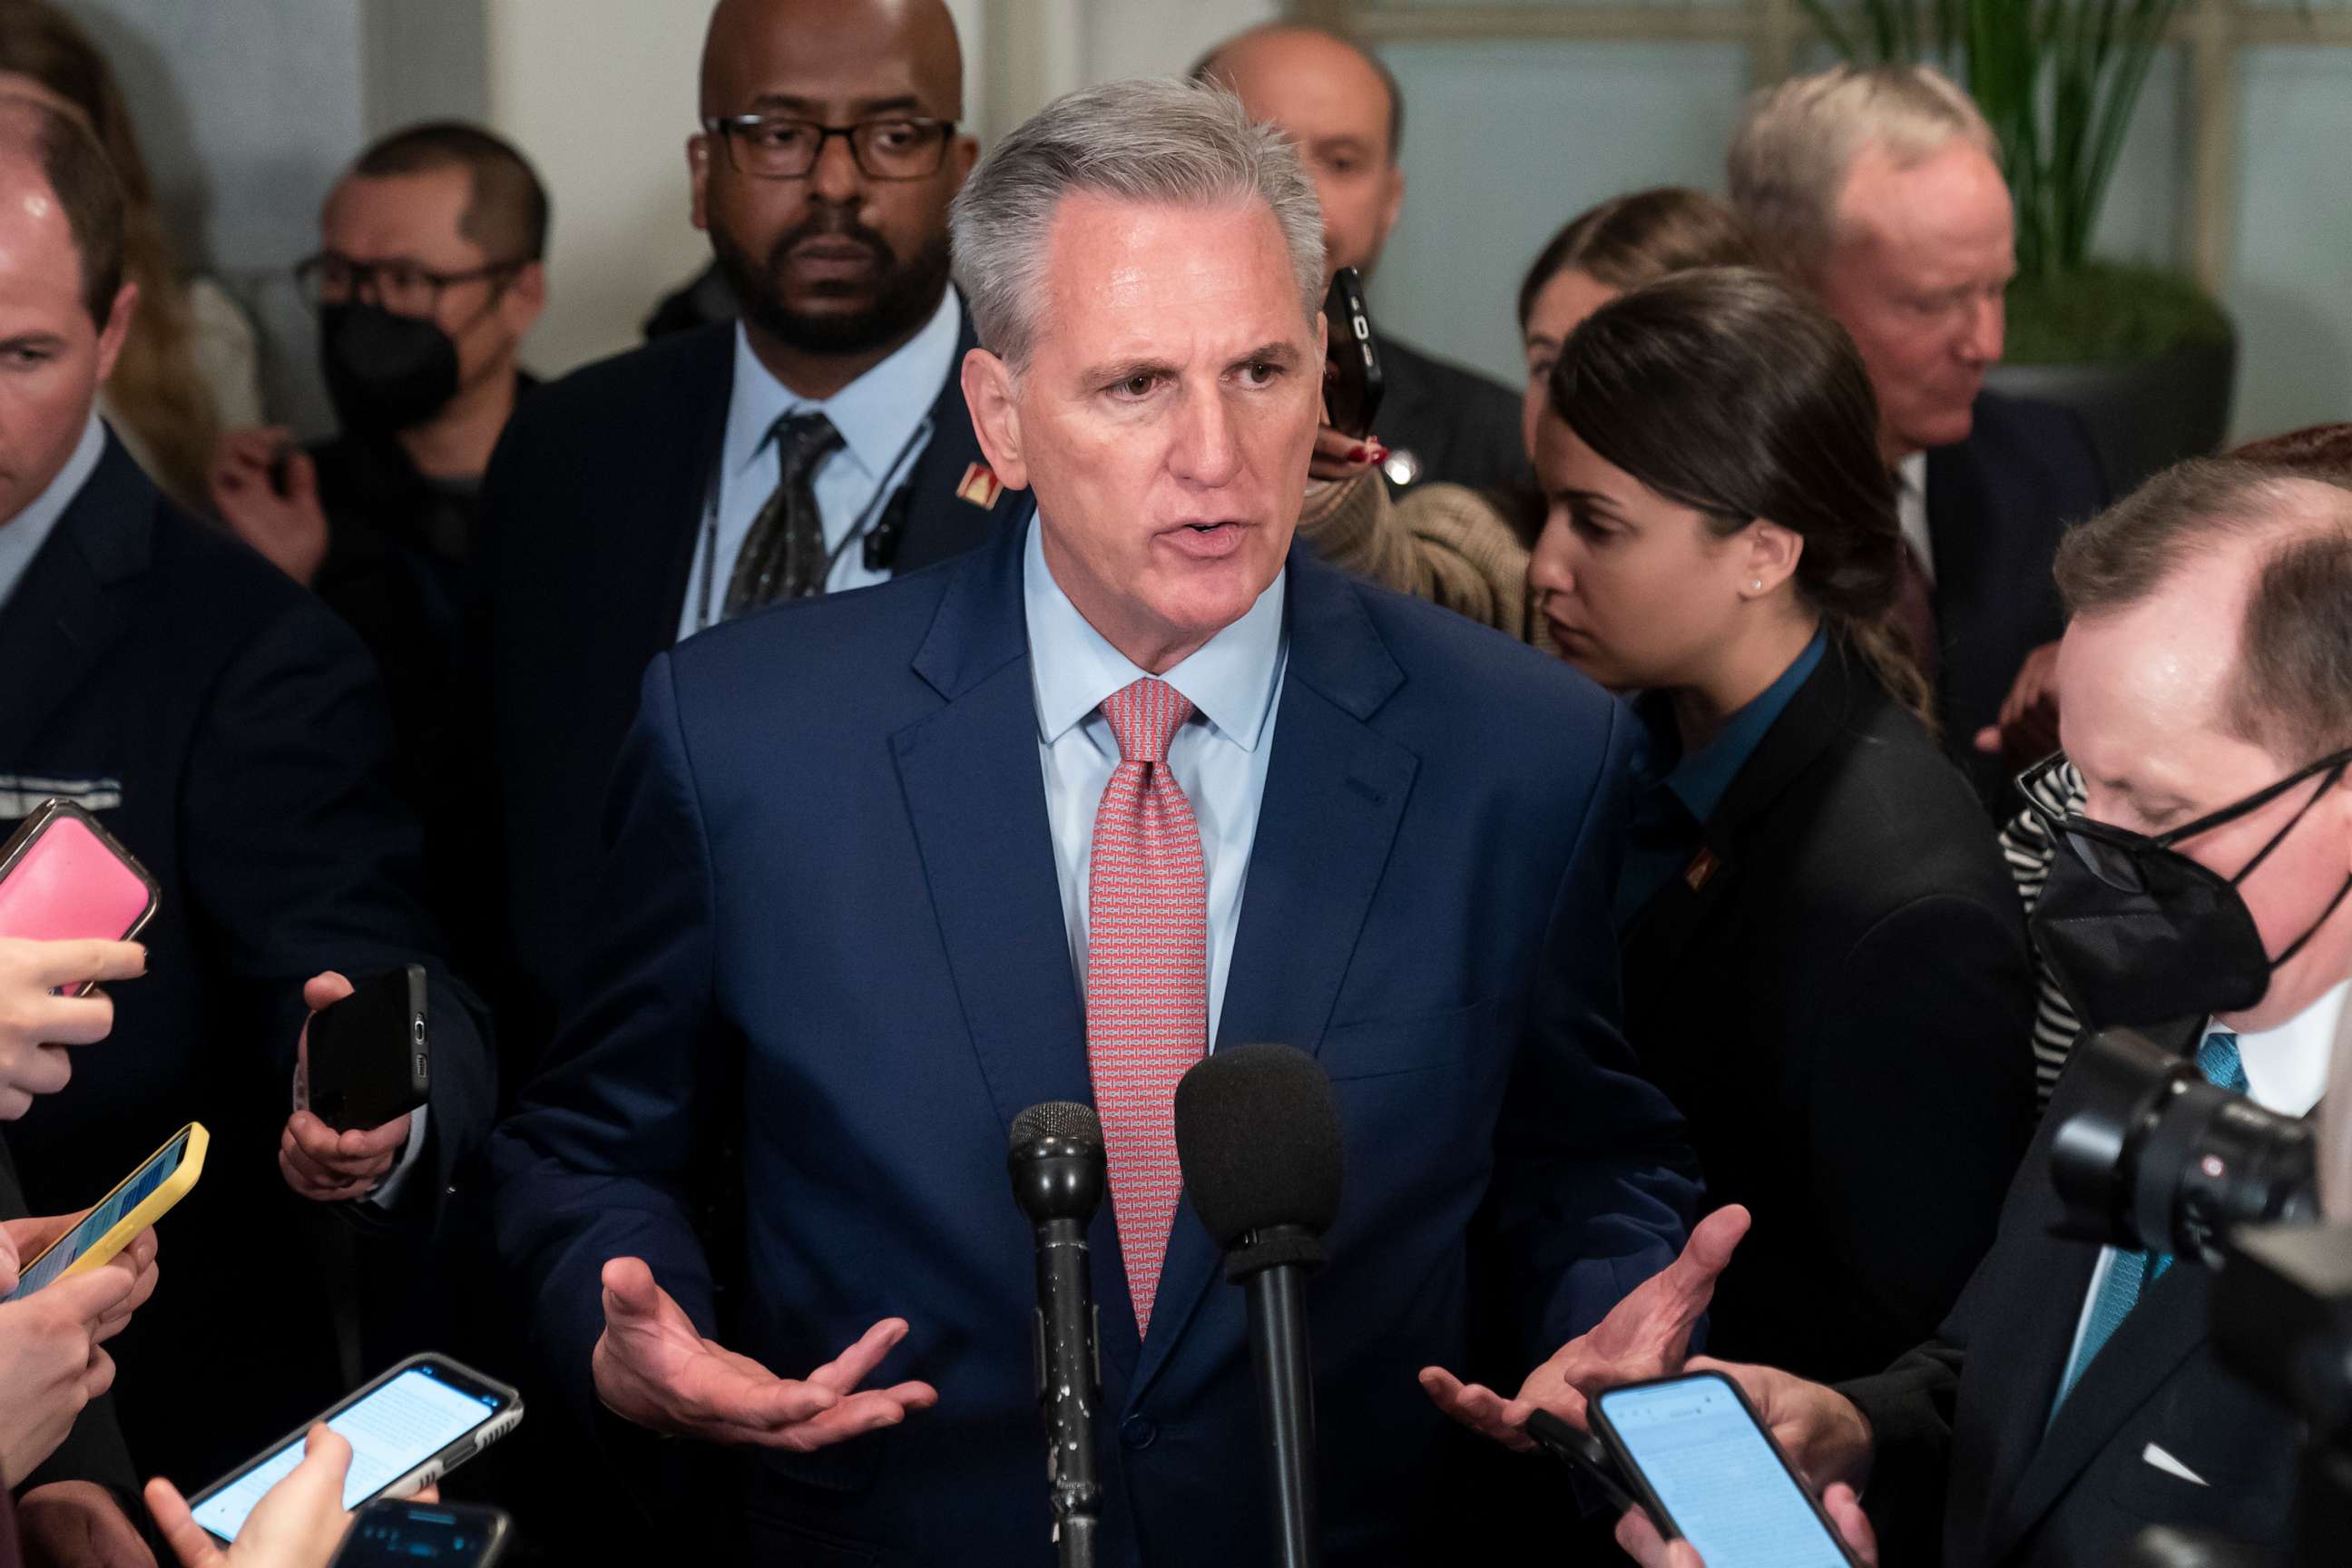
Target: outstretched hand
(654, 1367)
(1645, 1335)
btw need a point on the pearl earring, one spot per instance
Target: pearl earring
(1757, 587)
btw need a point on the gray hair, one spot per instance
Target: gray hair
(1790, 162)
(1161, 141)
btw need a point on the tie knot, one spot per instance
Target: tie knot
(2217, 1058)
(1143, 714)
(802, 441)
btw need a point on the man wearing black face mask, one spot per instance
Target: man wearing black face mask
(428, 277)
(2072, 1397)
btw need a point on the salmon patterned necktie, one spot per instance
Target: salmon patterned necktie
(1147, 974)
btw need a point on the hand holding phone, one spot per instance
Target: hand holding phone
(51, 1365)
(299, 1523)
(45, 1010)
(362, 1065)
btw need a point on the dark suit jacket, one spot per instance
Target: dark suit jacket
(1962, 1450)
(232, 730)
(1840, 1007)
(829, 926)
(1464, 428)
(1996, 505)
(591, 507)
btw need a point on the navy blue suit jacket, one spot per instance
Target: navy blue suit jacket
(232, 732)
(829, 930)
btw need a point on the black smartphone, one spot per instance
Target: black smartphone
(1584, 1454)
(372, 1053)
(389, 1533)
(1705, 1468)
(410, 1427)
(1353, 383)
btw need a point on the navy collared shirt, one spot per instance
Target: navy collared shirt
(1676, 793)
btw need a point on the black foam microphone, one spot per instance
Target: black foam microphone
(1056, 1163)
(1258, 1137)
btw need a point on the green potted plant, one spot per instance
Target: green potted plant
(2146, 354)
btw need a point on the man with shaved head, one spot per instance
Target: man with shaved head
(1346, 111)
(818, 444)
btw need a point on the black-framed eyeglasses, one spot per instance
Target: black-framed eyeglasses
(402, 287)
(782, 147)
(2112, 854)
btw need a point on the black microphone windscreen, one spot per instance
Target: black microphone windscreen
(1063, 1119)
(1257, 1134)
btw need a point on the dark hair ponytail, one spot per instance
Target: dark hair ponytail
(1728, 390)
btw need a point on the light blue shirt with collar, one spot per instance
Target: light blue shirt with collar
(1219, 757)
(883, 417)
(22, 536)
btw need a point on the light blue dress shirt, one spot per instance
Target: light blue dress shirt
(883, 417)
(1219, 757)
(22, 536)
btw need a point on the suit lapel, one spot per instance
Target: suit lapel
(1335, 791)
(2162, 1329)
(681, 482)
(61, 619)
(944, 515)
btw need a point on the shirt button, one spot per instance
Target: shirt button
(1138, 1432)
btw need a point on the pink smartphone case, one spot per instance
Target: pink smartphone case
(71, 881)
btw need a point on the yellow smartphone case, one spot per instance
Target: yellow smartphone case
(142, 1214)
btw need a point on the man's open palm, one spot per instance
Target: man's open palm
(653, 1366)
(1645, 1335)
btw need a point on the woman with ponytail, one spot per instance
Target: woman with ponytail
(1824, 961)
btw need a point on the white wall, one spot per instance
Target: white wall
(600, 94)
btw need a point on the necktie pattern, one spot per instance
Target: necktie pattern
(1147, 973)
(784, 556)
(2132, 1272)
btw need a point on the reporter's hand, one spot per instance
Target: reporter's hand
(37, 1026)
(2027, 729)
(298, 1523)
(318, 1163)
(1340, 456)
(51, 1365)
(27, 1238)
(1643, 1543)
(1824, 1434)
(652, 1366)
(77, 1524)
(1645, 1335)
(288, 530)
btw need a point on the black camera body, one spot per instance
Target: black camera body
(2157, 1158)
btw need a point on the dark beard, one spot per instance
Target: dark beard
(905, 298)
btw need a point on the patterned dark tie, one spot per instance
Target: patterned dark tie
(784, 556)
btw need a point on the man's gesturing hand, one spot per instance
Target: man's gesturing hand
(1645, 1335)
(655, 1368)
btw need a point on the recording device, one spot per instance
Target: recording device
(138, 1201)
(1352, 381)
(1057, 1166)
(1707, 1470)
(63, 877)
(398, 1534)
(2154, 1157)
(1585, 1455)
(370, 1054)
(411, 1426)
(1258, 1135)
(2157, 1158)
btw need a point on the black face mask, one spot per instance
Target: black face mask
(384, 373)
(2140, 934)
